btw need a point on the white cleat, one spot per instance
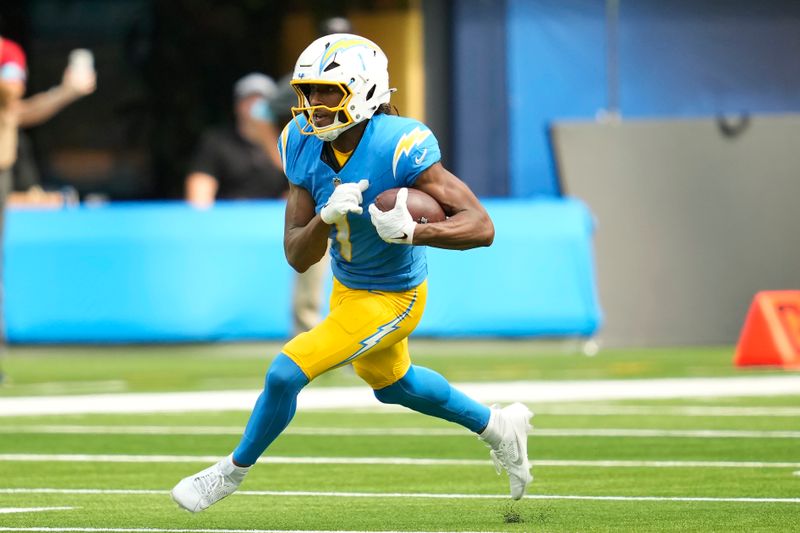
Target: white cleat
(207, 487)
(507, 436)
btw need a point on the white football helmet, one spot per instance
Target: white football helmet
(357, 66)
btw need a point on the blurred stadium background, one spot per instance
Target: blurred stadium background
(640, 160)
(652, 144)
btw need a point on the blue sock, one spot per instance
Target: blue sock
(426, 391)
(273, 411)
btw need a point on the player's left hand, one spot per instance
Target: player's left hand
(396, 225)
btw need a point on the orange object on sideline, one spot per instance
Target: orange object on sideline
(771, 332)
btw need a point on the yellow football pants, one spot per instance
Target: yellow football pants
(367, 328)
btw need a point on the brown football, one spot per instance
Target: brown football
(422, 206)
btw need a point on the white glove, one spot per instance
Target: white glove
(395, 226)
(346, 198)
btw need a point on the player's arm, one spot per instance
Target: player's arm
(468, 224)
(305, 235)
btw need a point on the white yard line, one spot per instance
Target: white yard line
(324, 494)
(359, 397)
(406, 461)
(157, 530)
(10, 510)
(668, 410)
(395, 432)
(668, 433)
(212, 459)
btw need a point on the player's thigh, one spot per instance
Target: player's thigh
(383, 367)
(359, 323)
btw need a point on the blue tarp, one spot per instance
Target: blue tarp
(164, 272)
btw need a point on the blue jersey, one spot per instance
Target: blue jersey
(392, 152)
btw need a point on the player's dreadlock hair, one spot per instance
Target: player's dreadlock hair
(387, 109)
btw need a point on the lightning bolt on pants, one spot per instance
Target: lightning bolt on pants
(273, 411)
(427, 392)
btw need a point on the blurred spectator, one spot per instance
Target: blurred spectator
(12, 86)
(20, 180)
(242, 162)
(79, 80)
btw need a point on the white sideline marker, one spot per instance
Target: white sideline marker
(424, 495)
(327, 398)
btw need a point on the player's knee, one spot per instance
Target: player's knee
(418, 385)
(392, 394)
(285, 375)
(425, 383)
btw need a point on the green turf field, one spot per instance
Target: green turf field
(682, 464)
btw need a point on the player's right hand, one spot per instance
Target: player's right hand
(346, 198)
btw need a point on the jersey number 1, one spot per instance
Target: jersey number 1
(343, 238)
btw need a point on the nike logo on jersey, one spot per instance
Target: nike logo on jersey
(419, 159)
(407, 143)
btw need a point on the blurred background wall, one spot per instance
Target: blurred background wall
(694, 215)
(494, 80)
(693, 220)
(166, 70)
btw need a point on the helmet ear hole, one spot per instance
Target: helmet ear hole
(371, 92)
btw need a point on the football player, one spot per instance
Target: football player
(344, 147)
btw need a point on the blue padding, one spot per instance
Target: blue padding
(536, 279)
(167, 272)
(147, 272)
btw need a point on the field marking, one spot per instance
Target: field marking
(263, 460)
(670, 433)
(9, 510)
(327, 398)
(427, 495)
(23, 457)
(74, 387)
(404, 432)
(668, 410)
(157, 530)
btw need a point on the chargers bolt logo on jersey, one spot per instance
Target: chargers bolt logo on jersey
(407, 143)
